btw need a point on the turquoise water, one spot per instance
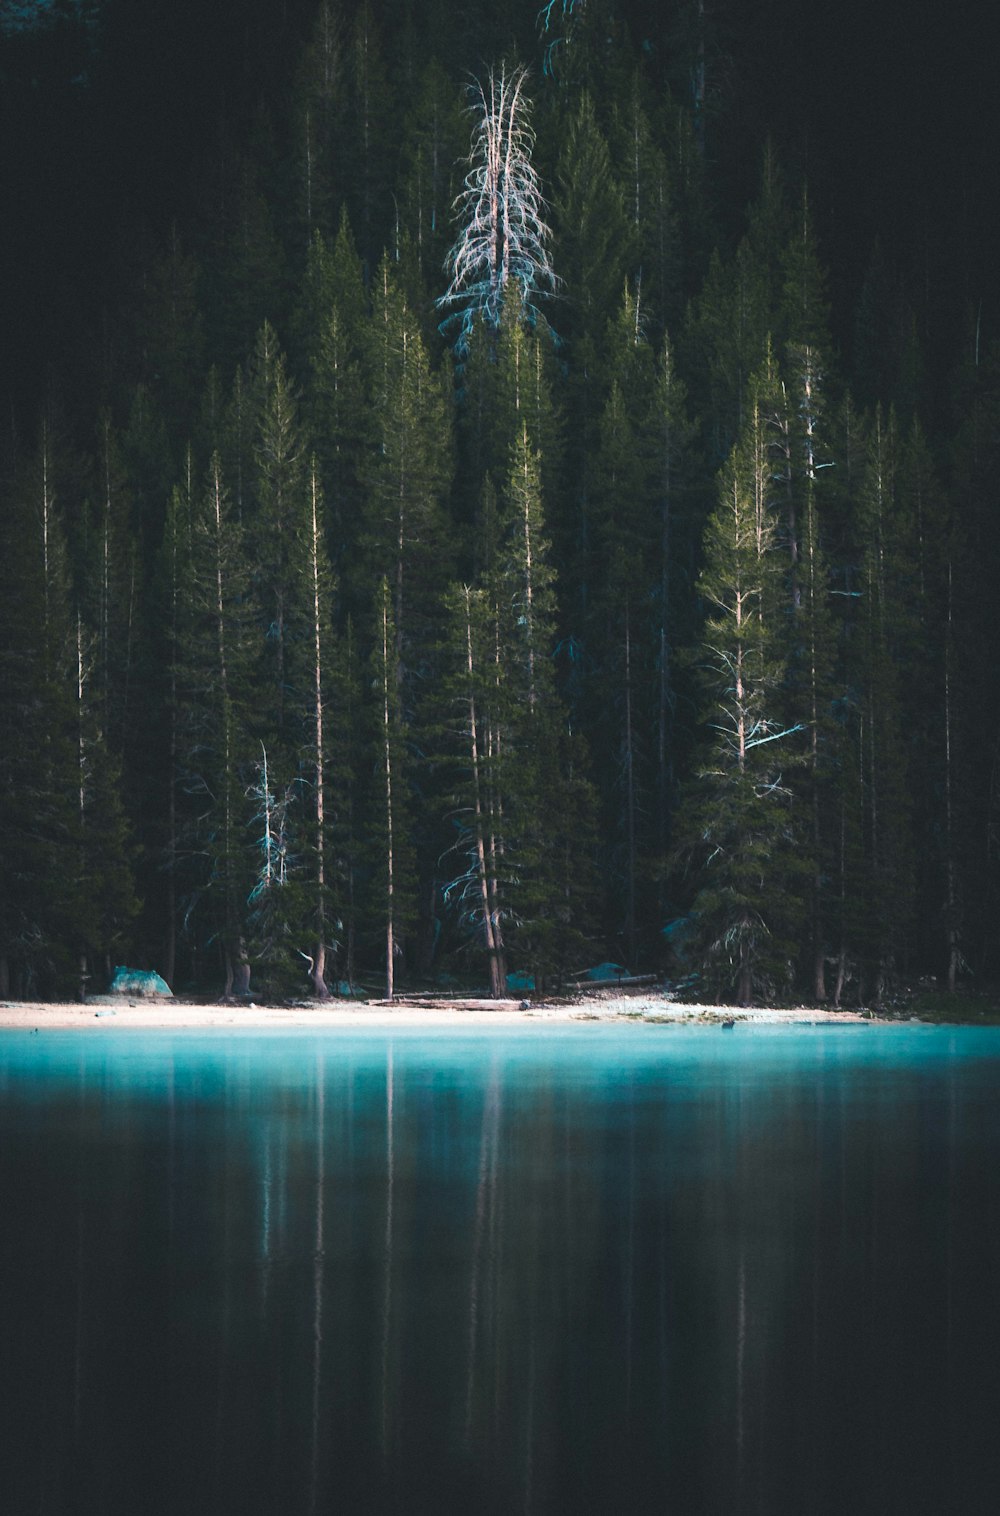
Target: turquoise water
(585, 1268)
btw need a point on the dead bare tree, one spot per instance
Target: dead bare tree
(501, 246)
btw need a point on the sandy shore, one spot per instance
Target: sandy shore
(104, 1012)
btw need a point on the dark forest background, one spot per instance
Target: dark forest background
(653, 625)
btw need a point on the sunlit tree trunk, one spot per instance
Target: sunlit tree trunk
(951, 895)
(628, 757)
(318, 971)
(484, 844)
(394, 863)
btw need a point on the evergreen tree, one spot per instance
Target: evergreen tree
(344, 771)
(189, 710)
(476, 692)
(524, 887)
(252, 268)
(507, 381)
(541, 771)
(171, 606)
(214, 750)
(367, 144)
(392, 871)
(320, 587)
(106, 904)
(595, 242)
(335, 403)
(737, 315)
(40, 883)
(803, 309)
(974, 555)
(407, 476)
(171, 331)
(811, 692)
(432, 144)
(641, 169)
(618, 640)
(318, 124)
(274, 523)
(881, 752)
(109, 582)
(737, 826)
(676, 531)
(926, 550)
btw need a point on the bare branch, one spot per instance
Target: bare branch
(501, 248)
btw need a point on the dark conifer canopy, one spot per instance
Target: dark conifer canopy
(656, 628)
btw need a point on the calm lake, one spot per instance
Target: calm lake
(578, 1268)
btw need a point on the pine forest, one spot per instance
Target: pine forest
(479, 531)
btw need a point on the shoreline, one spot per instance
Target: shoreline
(105, 1011)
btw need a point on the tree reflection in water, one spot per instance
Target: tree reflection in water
(578, 1270)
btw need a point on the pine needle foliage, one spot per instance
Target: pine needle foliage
(737, 827)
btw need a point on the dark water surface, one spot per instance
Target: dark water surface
(573, 1269)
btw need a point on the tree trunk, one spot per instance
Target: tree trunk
(390, 903)
(241, 975)
(745, 983)
(630, 929)
(951, 902)
(318, 971)
(491, 922)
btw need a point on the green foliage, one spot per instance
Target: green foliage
(40, 893)
(213, 744)
(391, 876)
(403, 535)
(606, 685)
(879, 738)
(738, 828)
(524, 887)
(594, 239)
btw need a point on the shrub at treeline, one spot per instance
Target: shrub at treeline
(396, 613)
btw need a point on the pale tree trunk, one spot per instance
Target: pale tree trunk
(390, 903)
(528, 574)
(744, 985)
(663, 691)
(318, 971)
(81, 796)
(105, 603)
(47, 504)
(170, 952)
(741, 710)
(951, 902)
(401, 531)
(815, 590)
(842, 964)
(629, 755)
(784, 448)
(491, 920)
(237, 966)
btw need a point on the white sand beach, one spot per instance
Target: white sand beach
(104, 1012)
